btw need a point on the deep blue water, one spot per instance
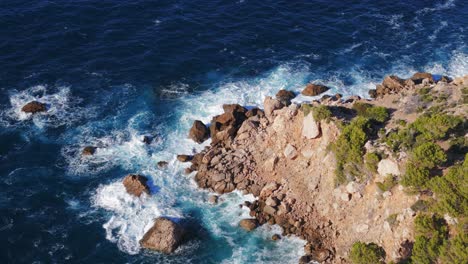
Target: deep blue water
(112, 71)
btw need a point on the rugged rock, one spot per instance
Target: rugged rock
(285, 97)
(224, 127)
(388, 166)
(290, 152)
(314, 89)
(184, 158)
(249, 224)
(305, 259)
(199, 132)
(394, 83)
(146, 139)
(165, 236)
(213, 199)
(34, 107)
(88, 151)
(310, 127)
(162, 164)
(275, 237)
(418, 77)
(136, 184)
(271, 105)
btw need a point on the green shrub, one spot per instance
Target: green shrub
(349, 151)
(321, 112)
(362, 253)
(452, 191)
(428, 155)
(431, 234)
(455, 250)
(420, 206)
(415, 177)
(377, 113)
(372, 161)
(401, 139)
(389, 182)
(436, 125)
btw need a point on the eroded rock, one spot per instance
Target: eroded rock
(310, 127)
(249, 224)
(34, 107)
(165, 236)
(136, 184)
(314, 89)
(199, 132)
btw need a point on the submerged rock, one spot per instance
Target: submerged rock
(165, 236)
(314, 89)
(136, 184)
(88, 151)
(249, 224)
(184, 158)
(34, 107)
(199, 132)
(162, 164)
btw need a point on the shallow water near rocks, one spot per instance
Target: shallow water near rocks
(111, 72)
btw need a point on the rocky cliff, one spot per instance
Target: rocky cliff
(329, 172)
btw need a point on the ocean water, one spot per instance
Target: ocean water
(112, 71)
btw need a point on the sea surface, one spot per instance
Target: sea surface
(112, 71)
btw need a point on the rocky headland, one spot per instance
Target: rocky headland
(351, 176)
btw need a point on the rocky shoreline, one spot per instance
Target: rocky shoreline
(290, 157)
(281, 155)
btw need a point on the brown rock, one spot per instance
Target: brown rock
(394, 83)
(418, 77)
(248, 224)
(165, 236)
(136, 184)
(34, 107)
(275, 237)
(320, 255)
(269, 210)
(305, 259)
(213, 199)
(184, 158)
(270, 105)
(162, 164)
(285, 96)
(314, 89)
(88, 151)
(199, 132)
(373, 93)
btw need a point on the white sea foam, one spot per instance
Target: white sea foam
(62, 107)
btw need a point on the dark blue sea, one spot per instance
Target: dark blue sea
(112, 71)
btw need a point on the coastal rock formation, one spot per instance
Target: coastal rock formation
(289, 161)
(314, 89)
(136, 184)
(248, 224)
(285, 96)
(199, 132)
(165, 236)
(34, 107)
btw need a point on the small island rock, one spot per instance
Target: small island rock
(314, 89)
(34, 107)
(165, 236)
(136, 184)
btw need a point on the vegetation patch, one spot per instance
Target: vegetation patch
(389, 182)
(362, 253)
(372, 161)
(377, 113)
(320, 113)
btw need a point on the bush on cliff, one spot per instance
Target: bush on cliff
(435, 126)
(415, 177)
(431, 233)
(455, 250)
(362, 253)
(429, 155)
(377, 113)
(372, 161)
(349, 149)
(452, 191)
(321, 112)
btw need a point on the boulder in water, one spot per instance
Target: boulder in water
(88, 151)
(248, 224)
(285, 96)
(165, 236)
(136, 184)
(314, 89)
(34, 107)
(199, 132)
